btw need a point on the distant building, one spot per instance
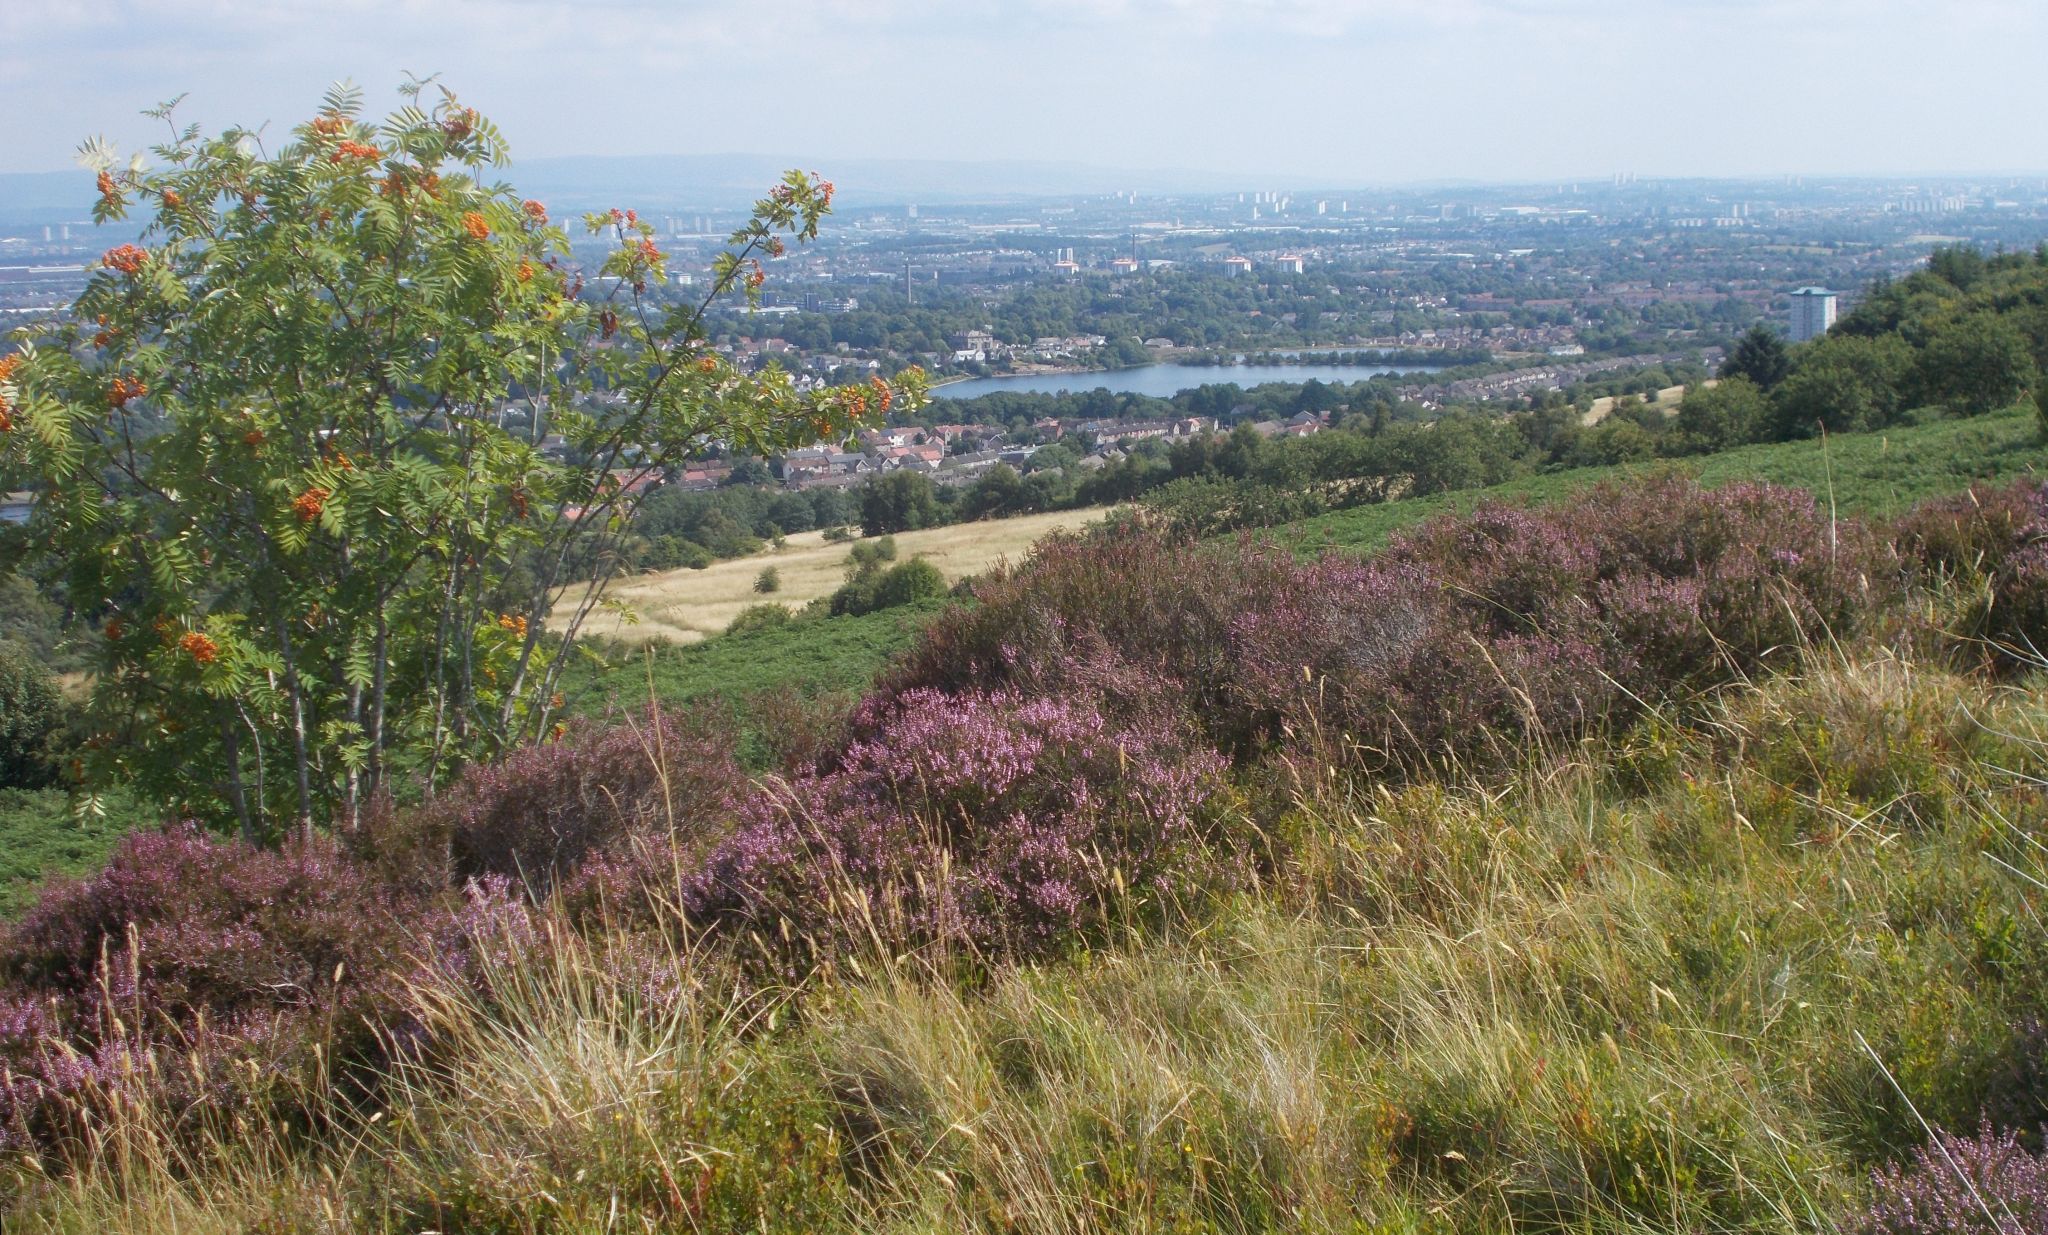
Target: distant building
(1237, 265)
(1290, 262)
(1813, 311)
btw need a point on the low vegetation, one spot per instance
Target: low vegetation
(1664, 858)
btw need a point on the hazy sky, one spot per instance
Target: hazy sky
(1324, 91)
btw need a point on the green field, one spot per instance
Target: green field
(812, 657)
(1867, 473)
(39, 837)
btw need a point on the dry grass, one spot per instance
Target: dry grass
(685, 606)
(1667, 401)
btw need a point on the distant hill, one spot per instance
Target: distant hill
(45, 197)
(711, 181)
(715, 182)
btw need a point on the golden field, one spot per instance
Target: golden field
(683, 606)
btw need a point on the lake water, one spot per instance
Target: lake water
(1163, 381)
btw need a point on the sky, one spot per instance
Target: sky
(1305, 92)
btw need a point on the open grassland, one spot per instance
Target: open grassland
(1667, 401)
(684, 606)
(1640, 987)
(1861, 473)
(40, 836)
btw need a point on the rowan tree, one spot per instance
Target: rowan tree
(295, 449)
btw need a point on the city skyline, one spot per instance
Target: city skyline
(1379, 92)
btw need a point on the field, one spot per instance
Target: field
(815, 657)
(684, 606)
(1864, 473)
(1667, 401)
(39, 837)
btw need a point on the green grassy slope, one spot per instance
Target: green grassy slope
(1867, 473)
(39, 838)
(811, 657)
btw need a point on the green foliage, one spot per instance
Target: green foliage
(898, 501)
(1973, 364)
(1760, 357)
(759, 617)
(769, 580)
(40, 836)
(908, 583)
(31, 714)
(870, 587)
(1731, 413)
(286, 451)
(1845, 384)
(1863, 473)
(759, 657)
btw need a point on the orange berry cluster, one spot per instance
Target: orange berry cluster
(474, 224)
(109, 191)
(514, 623)
(308, 505)
(535, 211)
(329, 124)
(126, 258)
(124, 390)
(201, 649)
(354, 150)
(396, 184)
(8, 364)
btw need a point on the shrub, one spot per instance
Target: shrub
(759, 617)
(769, 580)
(539, 813)
(31, 712)
(1958, 1185)
(190, 962)
(907, 583)
(986, 818)
(1991, 543)
(1469, 637)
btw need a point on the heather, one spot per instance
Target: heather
(1667, 859)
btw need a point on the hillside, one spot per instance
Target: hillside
(1391, 916)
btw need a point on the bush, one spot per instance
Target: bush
(196, 973)
(1958, 1185)
(769, 580)
(1992, 545)
(538, 814)
(987, 818)
(759, 617)
(31, 713)
(1468, 638)
(907, 583)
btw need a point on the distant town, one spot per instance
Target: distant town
(1517, 291)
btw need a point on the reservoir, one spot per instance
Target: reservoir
(1166, 380)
